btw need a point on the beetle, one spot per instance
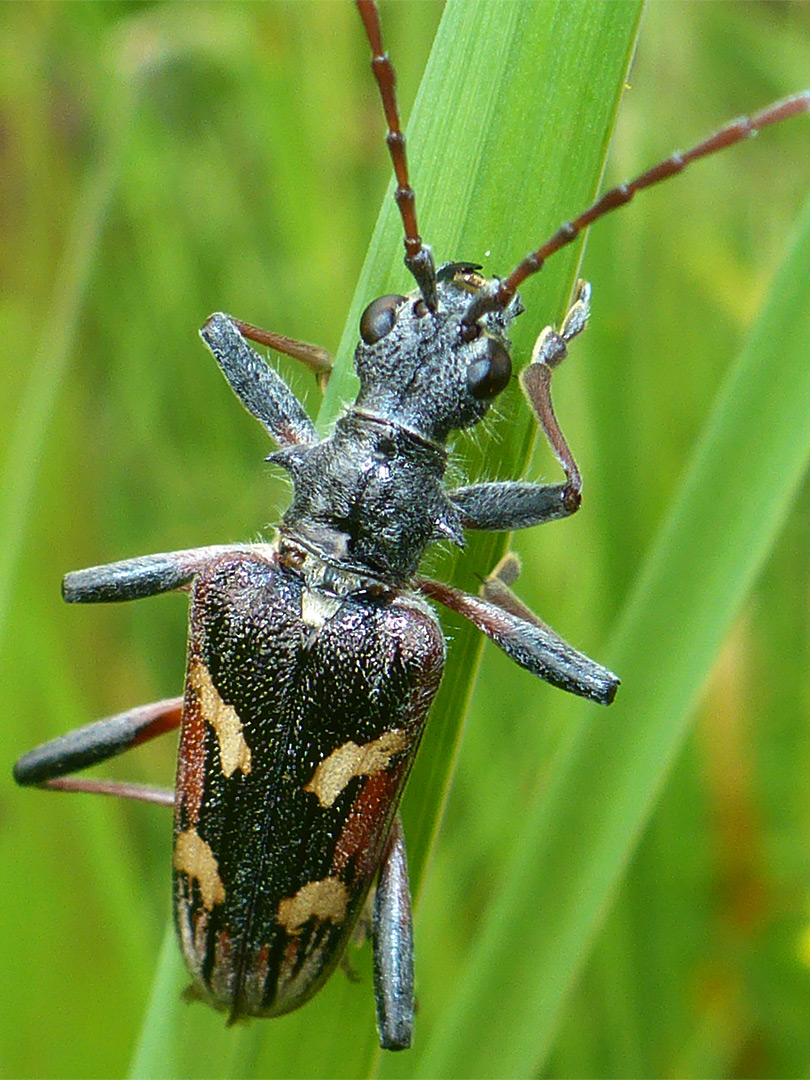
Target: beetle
(335, 611)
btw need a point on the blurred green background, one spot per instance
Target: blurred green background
(245, 174)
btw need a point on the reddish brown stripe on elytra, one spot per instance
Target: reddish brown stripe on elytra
(361, 833)
(191, 760)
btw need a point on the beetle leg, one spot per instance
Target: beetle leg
(96, 742)
(316, 358)
(530, 643)
(263, 392)
(147, 575)
(549, 351)
(496, 589)
(392, 936)
(120, 789)
(505, 505)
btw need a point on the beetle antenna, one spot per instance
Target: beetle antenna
(500, 294)
(418, 256)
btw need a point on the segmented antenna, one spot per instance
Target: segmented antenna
(418, 256)
(500, 293)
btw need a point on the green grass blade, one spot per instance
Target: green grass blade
(57, 332)
(575, 844)
(519, 70)
(249, 182)
(525, 73)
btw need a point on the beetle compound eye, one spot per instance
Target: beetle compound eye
(379, 317)
(488, 377)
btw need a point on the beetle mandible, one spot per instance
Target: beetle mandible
(313, 660)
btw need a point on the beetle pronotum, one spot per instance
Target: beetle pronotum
(359, 559)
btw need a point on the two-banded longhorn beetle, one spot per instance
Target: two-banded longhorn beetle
(314, 659)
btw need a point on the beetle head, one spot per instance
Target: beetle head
(417, 369)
